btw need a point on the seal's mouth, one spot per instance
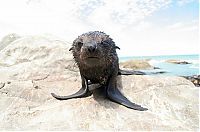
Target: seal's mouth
(92, 57)
(92, 60)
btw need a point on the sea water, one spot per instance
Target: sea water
(169, 68)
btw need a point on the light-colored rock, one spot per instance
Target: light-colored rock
(33, 67)
(8, 39)
(136, 64)
(35, 57)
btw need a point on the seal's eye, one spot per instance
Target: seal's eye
(104, 43)
(80, 44)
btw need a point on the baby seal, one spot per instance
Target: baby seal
(95, 54)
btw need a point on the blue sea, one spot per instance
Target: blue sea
(169, 68)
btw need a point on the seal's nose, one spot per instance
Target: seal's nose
(91, 49)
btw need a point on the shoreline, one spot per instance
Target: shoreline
(144, 65)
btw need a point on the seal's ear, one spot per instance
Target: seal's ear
(71, 49)
(116, 47)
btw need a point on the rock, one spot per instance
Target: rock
(177, 61)
(195, 79)
(156, 68)
(158, 72)
(35, 57)
(136, 64)
(8, 39)
(37, 66)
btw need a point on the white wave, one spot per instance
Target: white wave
(193, 61)
(195, 67)
(153, 62)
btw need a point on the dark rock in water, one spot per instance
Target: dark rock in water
(183, 62)
(161, 72)
(178, 62)
(156, 68)
(195, 79)
(157, 72)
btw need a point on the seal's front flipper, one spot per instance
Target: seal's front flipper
(115, 95)
(127, 72)
(83, 92)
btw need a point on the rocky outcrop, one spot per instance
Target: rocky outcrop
(33, 67)
(136, 64)
(195, 79)
(178, 62)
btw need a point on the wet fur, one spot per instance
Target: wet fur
(100, 66)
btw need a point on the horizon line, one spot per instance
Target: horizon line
(157, 55)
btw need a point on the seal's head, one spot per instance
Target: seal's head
(93, 48)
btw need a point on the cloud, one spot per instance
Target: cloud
(184, 2)
(124, 12)
(124, 20)
(183, 26)
(178, 38)
(75, 16)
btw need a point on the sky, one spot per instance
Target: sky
(138, 27)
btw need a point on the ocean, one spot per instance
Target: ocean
(169, 68)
